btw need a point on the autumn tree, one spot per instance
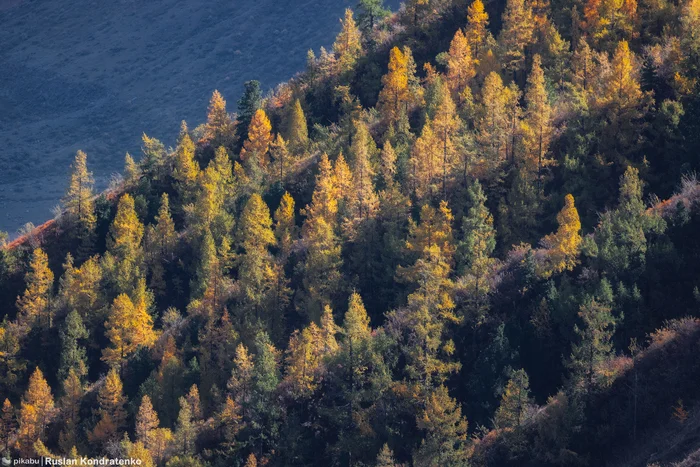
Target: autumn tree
(285, 226)
(36, 412)
(564, 245)
(129, 326)
(79, 205)
(460, 64)
(297, 130)
(394, 95)
(477, 24)
(538, 121)
(185, 429)
(281, 162)
(256, 148)
(445, 440)
(124, 260)
(321, 266)
(515, 402)
(146, 422)
(434, 229)
(363, 196)
(445, 125)
(111, 412)
(385, 458)
(8, 424)
(219, 130)
(186, 168)
(81, 289)
(609, 19)
(491, 125)
(348, 44)
(70, 406)
(35, 306)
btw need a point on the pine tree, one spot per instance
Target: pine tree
(266, 412)
(538, 121)
(73, 355)
(394, 95)
(35, 305)
(257, 146)
(79, 205)
(219, 130)
(565, 244)
(460, 64)
(517, 33)
(111, 410)
(515, 401)
(348, 44)
(445, 441)
(371, 13)
(595, 342)
(477, 24)
(248, 104)
(297, 131)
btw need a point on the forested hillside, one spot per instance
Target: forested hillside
(468, 235)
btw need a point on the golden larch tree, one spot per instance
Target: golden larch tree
(259, 139)
(36, 411)
(35, 304)
(78, 202)
(394, 94)
(111, 402)
(460, 64)
(565, 244)
(538, 121)
(477, 24)
(348, 44)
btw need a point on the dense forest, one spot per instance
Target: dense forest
(468, 235)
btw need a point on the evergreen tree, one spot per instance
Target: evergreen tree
(371, 13)
(248, 104)
(515, 402)
(73, 355)
(595, 342)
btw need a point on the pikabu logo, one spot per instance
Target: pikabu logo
(6, 460)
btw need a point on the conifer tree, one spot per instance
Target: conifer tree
(35, 305)
(165, 234)
(460, 64)
(129, 326)
(371, 13)
(515, 401)
(124, 246)
(474, 252)
(385, 458)
(517, 33)
(565, 244)
(80, 289)
(348, 44)
(70, 406)
(8, 424)
(297, 130)
(146, 422)
(248, 104)
(434, 229)
(445, 125)
(538, 121)
(219, 127)
(394, 95)
(477, 24)
(266, 412)
(186, 430)
(79, 205)
(445, 441)
(111, 410)
(132, 172)
(342, 178)
(621, 88)
(491, 124)
(425, 162)
(282, 162)
(186, 168)
(364, 199)
(251, 461)
(285, 226)
(73, 355)
(36, 412)
(387, 165)
(256, 147)
(595, 342)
